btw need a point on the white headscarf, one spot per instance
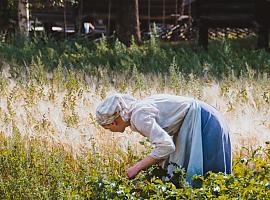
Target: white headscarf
(112, 107)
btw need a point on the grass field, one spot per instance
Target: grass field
(51, 146)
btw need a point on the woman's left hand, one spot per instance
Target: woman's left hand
(132, 172)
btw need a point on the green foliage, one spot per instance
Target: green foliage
(35, 168)
(223, 57)
(43, 70)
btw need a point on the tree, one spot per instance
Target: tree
(128, 21)
(23, 17)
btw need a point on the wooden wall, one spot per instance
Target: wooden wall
(160, 11)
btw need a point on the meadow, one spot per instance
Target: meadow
(52, 148)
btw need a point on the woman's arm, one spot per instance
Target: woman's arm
(144, 119)
(141, 165)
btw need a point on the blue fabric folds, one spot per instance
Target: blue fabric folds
(203, 143)
(217, 153)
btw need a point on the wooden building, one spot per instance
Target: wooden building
(158, 11)
(131, 17)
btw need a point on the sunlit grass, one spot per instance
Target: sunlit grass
(62, 107)
(52, 147)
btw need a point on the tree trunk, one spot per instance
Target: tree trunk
(128, 24)
(65, 20)
(80, 18)
(23, 17)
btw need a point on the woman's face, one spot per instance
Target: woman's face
(118, 125)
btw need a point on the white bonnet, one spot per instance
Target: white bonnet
(113, 106)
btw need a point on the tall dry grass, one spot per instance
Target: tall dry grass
(61, 106)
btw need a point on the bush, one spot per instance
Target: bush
(34, 168)
(222, 58)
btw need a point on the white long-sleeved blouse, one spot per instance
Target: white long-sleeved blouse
(159, 117)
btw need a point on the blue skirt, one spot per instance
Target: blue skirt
(217, 153)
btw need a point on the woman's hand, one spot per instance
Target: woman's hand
(141, 165)
(132, 172)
